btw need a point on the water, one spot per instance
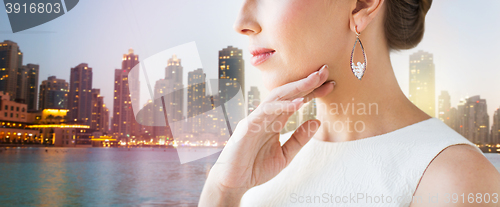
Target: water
(104, 177)
(100, 177)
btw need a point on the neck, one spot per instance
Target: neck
(358, 109)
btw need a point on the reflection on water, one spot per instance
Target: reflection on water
(100, 176)
(104, 176)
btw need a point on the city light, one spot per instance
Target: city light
(59, 126)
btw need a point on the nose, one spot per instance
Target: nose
(246, 23)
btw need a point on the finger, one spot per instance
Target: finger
(278, 107)
(300, 87)
(320, 92)
(299, 138)
(268, 112)
(279, 123)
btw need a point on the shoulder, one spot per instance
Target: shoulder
(459, 175)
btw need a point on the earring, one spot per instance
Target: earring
(359, 68)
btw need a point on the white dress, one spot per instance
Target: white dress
(382, 170)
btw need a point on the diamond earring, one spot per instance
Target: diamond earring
(359, 68)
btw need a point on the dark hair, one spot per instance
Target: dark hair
(404, 22)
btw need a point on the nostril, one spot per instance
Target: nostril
(244, 31)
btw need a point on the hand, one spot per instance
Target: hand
(253, 155)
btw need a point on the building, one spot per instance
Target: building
(253, 99)
(171, 91)
(451, 118)
(53, 94)
(64, 135)
(54, 129)
(232, 82)
(196, 101)
(100, 113)
(32, 87)
(495, 129)
(80, 94)
(444, 105)
(422, 82)
(11, 59)
(473, 120)
(124, 124)
(22, 84)
(104, 141)
(27, 86)
(14, 119)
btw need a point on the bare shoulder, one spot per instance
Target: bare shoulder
(459, 176)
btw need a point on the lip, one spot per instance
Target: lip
(260, 55)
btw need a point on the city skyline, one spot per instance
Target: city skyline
(464, 56)
(421, 71)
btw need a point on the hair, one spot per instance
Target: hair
(404, 22)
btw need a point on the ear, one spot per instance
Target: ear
(363, 13)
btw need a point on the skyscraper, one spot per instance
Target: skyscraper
(32, 87)
(450, 118)
(124, 124)
(474, 120)
(253, 99)
(444, 105)
(53, 94)
(11, 59)
(231, 71)
(171, 89)
(196, 100)
(495, 129)
(80, 94)
(100, 113)
(22, 84)
(422, 82)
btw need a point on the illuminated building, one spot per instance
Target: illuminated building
(231, 71)
(80, 94)
(27, 86)
(443, 105)
(100, 113)
(196, 101)
(495, 129)
(124, 124)
(473, 120)
(171, 89)
(422, 82)
(53, 94)
(11, 59)
(253, 99)
(13, 122)
(64, 135)
(104, 141)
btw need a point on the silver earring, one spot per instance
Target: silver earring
(359, 68)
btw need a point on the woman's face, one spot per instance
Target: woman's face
(304, 35)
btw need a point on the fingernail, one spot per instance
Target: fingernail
(297, 100)
(312, 74)
(324, 66)
(333, 82)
